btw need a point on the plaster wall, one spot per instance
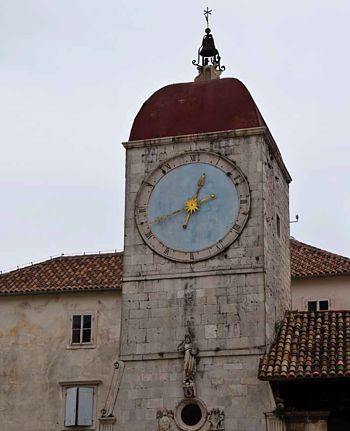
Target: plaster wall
(35, 356)
(335, 289)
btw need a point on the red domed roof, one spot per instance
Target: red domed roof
(196, 107)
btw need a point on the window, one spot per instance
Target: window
(278, 226)
(81, 329)
(318, 305)
(79, 406)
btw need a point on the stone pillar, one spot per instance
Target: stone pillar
(274, 423)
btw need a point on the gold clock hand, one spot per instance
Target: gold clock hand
(202, 201)
(187, 219)
(200, 184)
(207, 198)
(192, 204)
(161, 218)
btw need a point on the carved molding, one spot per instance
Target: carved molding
(107, 424)
(216, 420)
(165, 419)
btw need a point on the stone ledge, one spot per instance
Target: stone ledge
(204, 354)
(213, 272)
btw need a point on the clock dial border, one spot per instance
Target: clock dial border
(142, 198)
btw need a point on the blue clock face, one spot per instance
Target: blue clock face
(210, 220)
(193, 206)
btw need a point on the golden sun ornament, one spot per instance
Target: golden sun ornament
(192, 205)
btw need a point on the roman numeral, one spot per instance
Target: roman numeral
(194, 157)
(166, 251)
(141, 210)
(166, 167)
(219, 245)
(236, 227)
(149, 235)
(191, 256)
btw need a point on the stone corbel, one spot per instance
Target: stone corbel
(106, 423)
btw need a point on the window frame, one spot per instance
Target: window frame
(318, 301)
(82, 345)
(80, 384)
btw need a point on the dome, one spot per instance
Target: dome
(196, 107)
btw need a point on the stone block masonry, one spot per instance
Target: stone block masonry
(229, 303)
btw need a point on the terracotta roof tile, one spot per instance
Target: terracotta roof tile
(309, 261)
(104, 271)
(66, 273)
(309, 345)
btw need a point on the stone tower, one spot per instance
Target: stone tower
(206, 258)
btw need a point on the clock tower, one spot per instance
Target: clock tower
(206, 257)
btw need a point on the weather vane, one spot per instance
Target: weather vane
(207, 12)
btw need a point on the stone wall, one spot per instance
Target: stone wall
(229, 303)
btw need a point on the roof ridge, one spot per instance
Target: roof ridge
(317, 249)
(57, 257)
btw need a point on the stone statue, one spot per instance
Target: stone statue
(216, 420)
(189, 370)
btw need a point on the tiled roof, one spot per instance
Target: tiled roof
(309, 345)
(66, 273)
(104, 271)
(309, 261)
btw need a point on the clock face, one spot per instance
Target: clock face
(193, 206)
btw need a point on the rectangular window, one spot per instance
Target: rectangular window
(323, 305)
(278, 226)
(79, 406)
(81, 329)
(318, 305)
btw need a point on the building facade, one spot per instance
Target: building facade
(191, 327)
(206, 259)
(320, 279)
(59, 338)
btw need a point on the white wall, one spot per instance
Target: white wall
(336, 289)
(35, 355)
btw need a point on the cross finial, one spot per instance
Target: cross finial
(207, 12)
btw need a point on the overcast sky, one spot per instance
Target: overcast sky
(74, 73)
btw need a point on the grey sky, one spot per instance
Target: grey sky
(74, 73)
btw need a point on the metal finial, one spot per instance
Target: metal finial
(207, 53)
(207, 12)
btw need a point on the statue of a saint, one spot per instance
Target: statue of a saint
(189, 371)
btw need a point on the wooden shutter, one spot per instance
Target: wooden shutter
(85, 406)
(71, 407)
